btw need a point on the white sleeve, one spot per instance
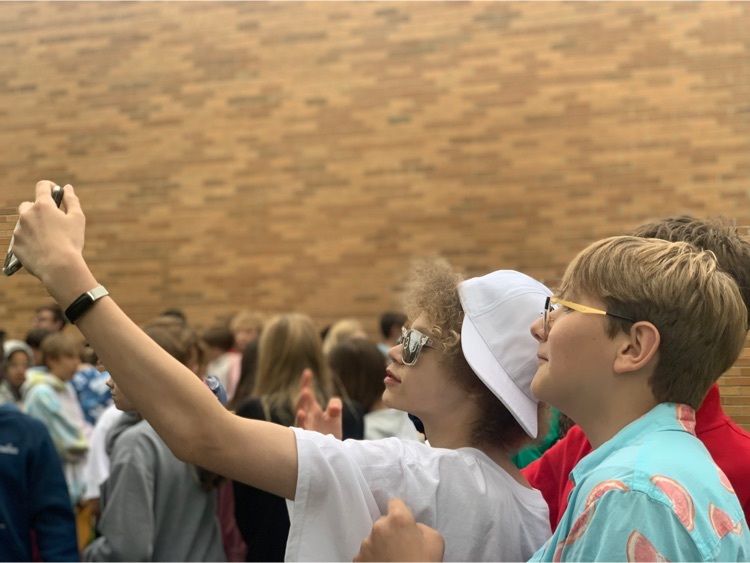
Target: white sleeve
(334, 508)
(97, 463)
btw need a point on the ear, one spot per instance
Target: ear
(639, 347)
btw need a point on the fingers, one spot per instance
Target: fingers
(301, 419)
(24, 206)
(44, 189)
(334, 408)
(307, 378)
(398, 511)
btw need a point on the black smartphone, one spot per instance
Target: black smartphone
(12, 265)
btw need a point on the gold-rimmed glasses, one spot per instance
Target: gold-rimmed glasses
(553, 302)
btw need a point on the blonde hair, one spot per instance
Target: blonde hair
(246, 319)
(340, 331)
(696, 307)
(289, 344)
(58, 345)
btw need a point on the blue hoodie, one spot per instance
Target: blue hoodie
(33, 492)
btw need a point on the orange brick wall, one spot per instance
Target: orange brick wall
(299, 156)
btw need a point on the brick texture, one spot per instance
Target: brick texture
(299, 156)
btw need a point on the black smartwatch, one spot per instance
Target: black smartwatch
(84, 303)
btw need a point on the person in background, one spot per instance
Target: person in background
(246, 327)
(34, 339)
(219, 342)
(49, 397)
(18, 357)
(90, 383)
(153, 506)
(391, 324)
(49, 317)
(727, 443)
(35, 509)
(342, 330)
(358, 364)
(289, 345)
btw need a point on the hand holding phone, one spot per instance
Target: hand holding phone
(12, 264)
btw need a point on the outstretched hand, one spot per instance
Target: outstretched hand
(46, 239)
(398, 537)
(310, 414)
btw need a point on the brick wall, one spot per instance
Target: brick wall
(299, 156)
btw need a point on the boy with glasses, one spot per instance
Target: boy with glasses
(652, 325)
(727, 443)
(643, 328)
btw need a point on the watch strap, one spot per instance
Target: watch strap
(76, 309)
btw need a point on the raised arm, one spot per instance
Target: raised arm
(49, 243)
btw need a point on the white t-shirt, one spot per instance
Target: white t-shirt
(97, 464)
(387, 423)
(344, 487)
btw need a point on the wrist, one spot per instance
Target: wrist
(68, 280)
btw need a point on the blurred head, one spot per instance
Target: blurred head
(340, 331)
(289, 344)
(390, 325)
(178, 339)
(61, 354)
(34, 339)
(246, 326)
(18, 358)
(219, 340)
(175, 337)
(49, 317)
(358, 365)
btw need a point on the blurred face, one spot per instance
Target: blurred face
(64, 367)
(425, 388)
(45, 319)
(16, 367)
(244, 336)
(121, 401)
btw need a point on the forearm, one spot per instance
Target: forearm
(49, 243)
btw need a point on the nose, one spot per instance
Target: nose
(111, 384)
(396, 353)
(537, 330)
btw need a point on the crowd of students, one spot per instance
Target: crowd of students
(629, 346)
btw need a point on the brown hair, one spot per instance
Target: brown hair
(717, 235)
(289, 344)
(696, 307)
(176, 338)
(360, 366)
(433, 290)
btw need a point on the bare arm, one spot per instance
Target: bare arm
(49, 243)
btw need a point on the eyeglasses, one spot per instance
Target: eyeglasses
(413, 341)
(552, 303)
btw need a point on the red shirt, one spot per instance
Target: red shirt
(727, 443)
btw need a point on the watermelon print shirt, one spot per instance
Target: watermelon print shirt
(651, 493)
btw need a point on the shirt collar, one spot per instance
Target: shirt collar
(665, 416)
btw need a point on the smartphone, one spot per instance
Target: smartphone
(12, 265)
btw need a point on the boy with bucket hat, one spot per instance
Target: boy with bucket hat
(340, 488)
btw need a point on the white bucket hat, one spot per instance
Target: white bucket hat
(499, 309)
